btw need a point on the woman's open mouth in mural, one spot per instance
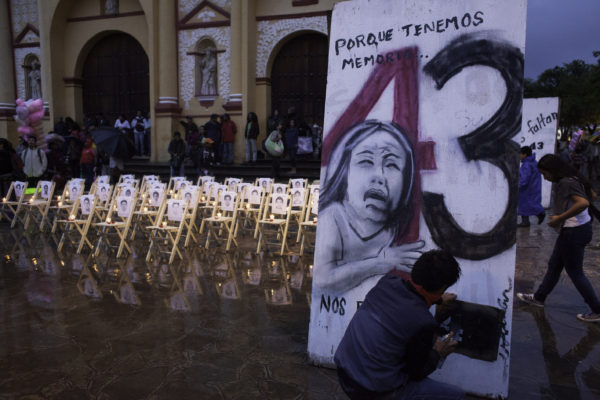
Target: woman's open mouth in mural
(378, 198)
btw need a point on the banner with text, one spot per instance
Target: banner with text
(423, 108)
(538, 131)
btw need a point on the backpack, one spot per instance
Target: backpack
(19, 162)
(139, 125)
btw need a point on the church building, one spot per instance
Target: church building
(168, 58)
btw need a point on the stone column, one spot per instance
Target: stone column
(7, 88)
(168, 102)
(234, 103)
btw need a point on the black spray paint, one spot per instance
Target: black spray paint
(490, 142)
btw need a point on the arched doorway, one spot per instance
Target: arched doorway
(299, 77)
(116, 78)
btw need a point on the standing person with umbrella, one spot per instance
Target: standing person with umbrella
(118, 147)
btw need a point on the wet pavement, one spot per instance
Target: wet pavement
(230, 325)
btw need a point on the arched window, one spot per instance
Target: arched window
(206, 74)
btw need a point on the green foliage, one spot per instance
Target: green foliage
(577, 84)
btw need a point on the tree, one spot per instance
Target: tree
(577, 84)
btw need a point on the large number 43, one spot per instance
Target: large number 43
(491, 142)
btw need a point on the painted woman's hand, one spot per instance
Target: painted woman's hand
(403, 255)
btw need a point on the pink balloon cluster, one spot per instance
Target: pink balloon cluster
(29, 117)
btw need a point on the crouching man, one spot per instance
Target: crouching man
(392, 343)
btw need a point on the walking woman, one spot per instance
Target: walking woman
(573, 196)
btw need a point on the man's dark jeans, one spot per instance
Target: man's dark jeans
(568, 254)
(426, 389)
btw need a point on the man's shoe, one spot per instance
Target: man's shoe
(523, 225)
(590, 317)
(529, 298)
(541, 217)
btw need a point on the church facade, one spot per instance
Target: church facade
(168, 58)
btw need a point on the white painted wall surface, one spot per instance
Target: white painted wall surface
(476, 192)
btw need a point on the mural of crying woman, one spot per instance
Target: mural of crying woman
(365, 207)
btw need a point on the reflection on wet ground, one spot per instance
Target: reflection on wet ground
(228, 326)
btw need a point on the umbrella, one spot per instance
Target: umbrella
(53, 137)
(112, 141)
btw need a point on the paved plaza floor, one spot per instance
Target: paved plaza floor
(230, 326)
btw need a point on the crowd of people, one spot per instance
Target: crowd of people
(69, 151)
(212, 143)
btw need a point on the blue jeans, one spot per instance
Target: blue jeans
(250, 150)
(87, 170)
(140, 145)
(181, 171)
(426, 389)
(228, 152)
(568, 254)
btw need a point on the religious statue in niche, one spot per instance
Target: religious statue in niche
(111, 7)
(207, 68)
(35, 81)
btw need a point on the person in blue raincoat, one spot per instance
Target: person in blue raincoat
(530, 189)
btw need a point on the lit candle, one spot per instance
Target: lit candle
(203, 198)
(71, 217)
(145, 209)
(31, 200)
(218, 215)
(4, 199)
(60, 203)
(59, 197)
(108, 220)
(271, 217)
(314, 220)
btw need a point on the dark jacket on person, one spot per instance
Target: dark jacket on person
(530, 188)
(388, 342)
(212, 130)
(60, 128)
(291, 137)
(251, 131)
(272, 122)
(176, 148)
